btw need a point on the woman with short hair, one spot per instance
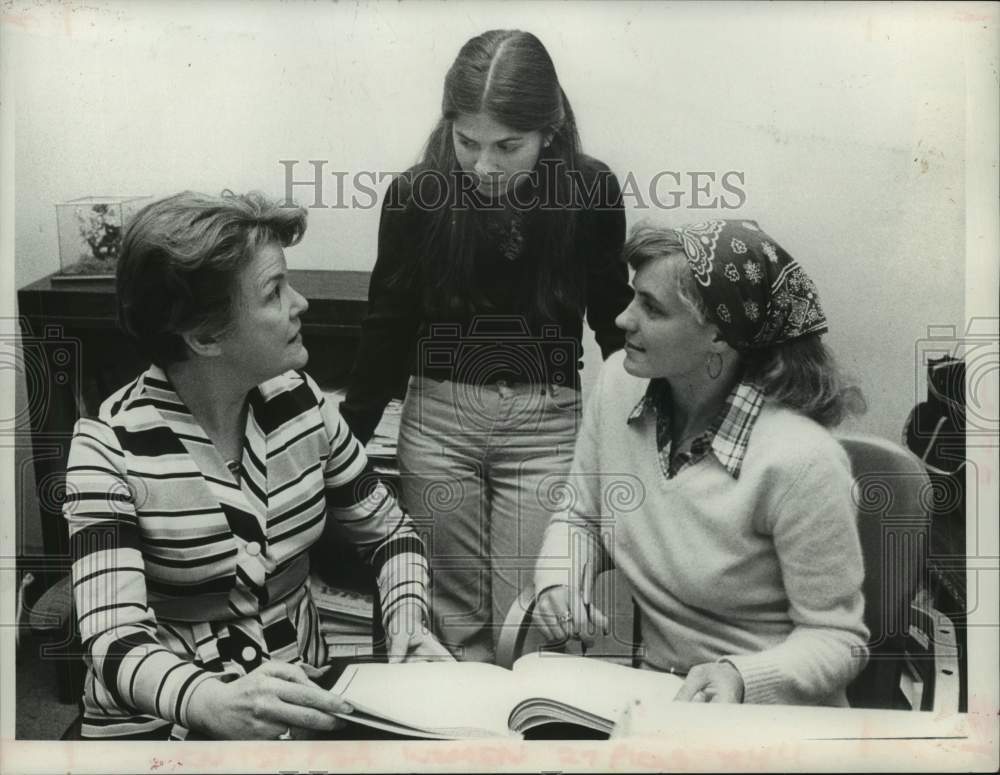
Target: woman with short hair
(194, 495)
(705, 471)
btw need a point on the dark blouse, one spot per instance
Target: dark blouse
(502, 339)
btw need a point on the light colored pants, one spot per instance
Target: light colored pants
(480, 468)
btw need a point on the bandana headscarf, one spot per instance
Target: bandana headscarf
(758, 293)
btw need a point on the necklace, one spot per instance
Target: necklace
(506, 231)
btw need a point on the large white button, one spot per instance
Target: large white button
(249, 654)
(253, 548)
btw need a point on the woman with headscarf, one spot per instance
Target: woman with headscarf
(705, 472)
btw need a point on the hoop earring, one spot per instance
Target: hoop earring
(710, 361)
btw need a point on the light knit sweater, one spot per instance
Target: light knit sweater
(763, 571)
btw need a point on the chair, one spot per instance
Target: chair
(935, 432)
(931, 678)
(913, 659)
(611, 595)
(53, 618)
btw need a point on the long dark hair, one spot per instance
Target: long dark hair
(508, 75)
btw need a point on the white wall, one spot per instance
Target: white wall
(848, 122)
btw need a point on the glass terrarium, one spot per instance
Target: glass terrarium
(90, 234)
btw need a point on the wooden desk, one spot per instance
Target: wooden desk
(74, 357)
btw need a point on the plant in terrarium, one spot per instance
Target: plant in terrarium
(101, 229)
(91, 229)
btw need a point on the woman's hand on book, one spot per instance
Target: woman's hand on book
(712, 682)
(267, 703)
(561, 614)
(410, 640)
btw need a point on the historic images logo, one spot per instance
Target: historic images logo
(664, 190)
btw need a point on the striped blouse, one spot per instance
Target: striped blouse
(183, 571)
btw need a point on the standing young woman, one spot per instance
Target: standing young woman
(491, 252)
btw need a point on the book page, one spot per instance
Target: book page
(596, 687)
(457, 699)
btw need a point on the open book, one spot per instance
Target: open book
(452, 700)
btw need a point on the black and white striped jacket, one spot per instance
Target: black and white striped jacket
(182, 571)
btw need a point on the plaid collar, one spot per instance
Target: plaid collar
(728, 435)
